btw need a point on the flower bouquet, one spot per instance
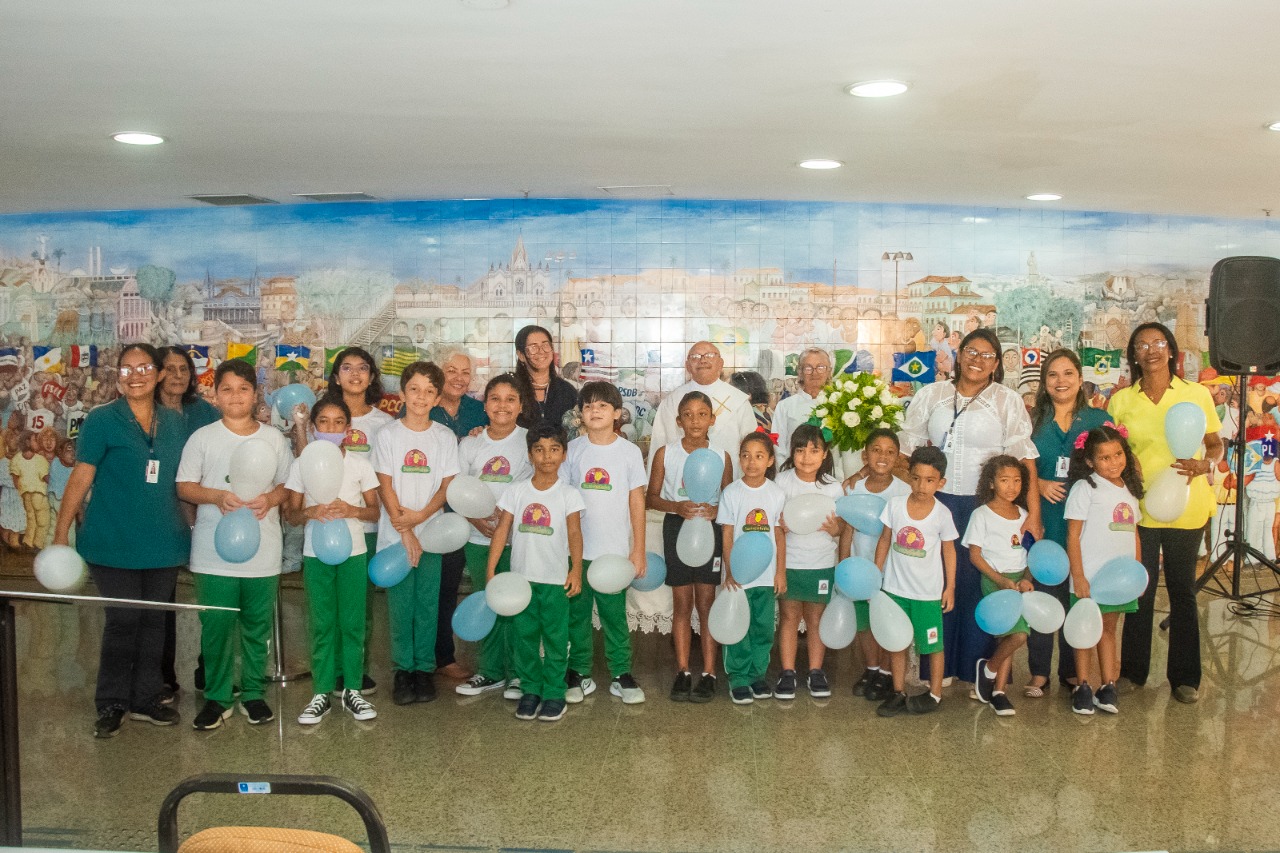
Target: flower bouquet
(851, 405)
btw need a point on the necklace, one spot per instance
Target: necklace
(541, 387)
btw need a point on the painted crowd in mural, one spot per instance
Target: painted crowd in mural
(625, 287)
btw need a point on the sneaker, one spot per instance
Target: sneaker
(819, 687)
(257, 711)
(368, 686)
(552, 710)
(512, 690)
(760, 690)
(168, 696)
(682, 688)
(578, 687)
(893, 706)
(741, 695)
(528, 707)
(868, 678)
(1002, 706)
(982, 686)
(1105, 699)
(625, 687)
(1082, 699)
(315, 710)
(881, 688)
(705, 690)
(477, 684)
(210, 716)
(108, 722)
(922, 703)
(786, 687)
(156, 714)
(358, 706)
(424, 687)
(1186, 694)
(402, 688)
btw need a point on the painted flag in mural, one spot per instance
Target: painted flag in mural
(203, 364)
(1031, 360)
(914, 366)
(53, 388)
(46, 359)
(244, 352)
(330, 354)
(9, 357)
(292, 358)
(395, 360)
(82, 356)
(592, 370)
(1102, 366)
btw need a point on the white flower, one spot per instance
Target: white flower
(822, 398)
(820, 412)
(885, 397)
(869, 391)
(876, 412)
(884, 425)
(850, 419)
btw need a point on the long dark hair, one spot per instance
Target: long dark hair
(986, 490)
(521, 388)
(1131, 352)
(373, 393)
(810, 434)
(1043, 410)
(1081, 470)
(188, 395)
(522, 367)
(990, 337)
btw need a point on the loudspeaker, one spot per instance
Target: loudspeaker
(1242, 316)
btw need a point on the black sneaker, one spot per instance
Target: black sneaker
(1002, 706)
(257, 711)
(477, 684)
(982, 686)
(881, 688)
(316, 710)
(552, 710)
(760, 690)
(108, 722)
(1082, 699)
(868, 678)
(1105, 699)
(528, 707)
(156, 714)
(368, 686)
(682, 688)
(168, 695)
(402, 688)
(356, 705)
(893, 706)
(819, 687)
(705, 690)
(922, 703)
(577, 687)
(785, 689)
(741, 695)
(210, 716)
(424, 687)
(626, 689)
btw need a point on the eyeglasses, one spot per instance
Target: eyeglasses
(809, 370)
(354, 367)
(536, 349)
(973, 353)
(699, 357)
(1160, 345)
(126, 370)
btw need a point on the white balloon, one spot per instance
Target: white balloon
(1083, 625)
(320, 465)
(610, 573)
(889, 623)
(445, 533)
(839, 624)
(470, 497)
(508, 594)
(1167, 498)
(252, 469)
(1042, 611)
(804, 514)
(730, 617)
(696, 542)
(60, 568)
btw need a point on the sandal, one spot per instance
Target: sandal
(1035, 691)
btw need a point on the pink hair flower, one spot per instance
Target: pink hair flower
(1081, 439)
(1120, 428)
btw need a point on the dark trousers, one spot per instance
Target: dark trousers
(169, 658)
(963, 642)
(1179, 548)
(452, 565)
(1040, 646)
(132, 638)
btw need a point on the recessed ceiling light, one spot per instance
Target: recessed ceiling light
(820, 163)
(877, 88)
(1044, 197)
(137, 137)
(1275, 125)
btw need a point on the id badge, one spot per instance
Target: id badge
(1064, 465)
(715, 566)
(946, 442)
(153, 470)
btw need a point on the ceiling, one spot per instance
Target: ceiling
(1152, 107)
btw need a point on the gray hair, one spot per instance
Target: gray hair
(817, 351)
(449, 352)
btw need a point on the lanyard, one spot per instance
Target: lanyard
(149, 435)
(955, 399)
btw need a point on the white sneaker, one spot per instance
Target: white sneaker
(513, 691)
(358, 706)
(477, 684)
(625, 687)
(578, 687)
(315, 710)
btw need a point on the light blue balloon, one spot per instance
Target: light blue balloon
(291, 395)
(389, 566)
(862, 511)
(750, 556)
(1048, 562)
(858, 578)
(237, 536)
(655, 574)
(473, 620)
(331, 541)
(1119, 581)
(998, 612)
(703, 471)
(1184, 427)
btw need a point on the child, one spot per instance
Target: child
(608, 471)
(994, 539)
(499, 456)
(59, 474)
(251, 586)
(1102, 514)
(754, 503)
(546, 548)
(335, 594)
(917, 554)
(879, 456)
(415, 461)
(30, 471)
(811, 561)
(690, 585)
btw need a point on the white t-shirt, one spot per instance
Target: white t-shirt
(604, 475)
(864, 544)
(1110, 514)
(732, 408)
(999, 538)
(206, 459)
(914, 567)
(749, 509)
(417, 463)
(815, 550)
(539, 530)
(673, 458)
(357, 478)
(359, 440)
(499, 465)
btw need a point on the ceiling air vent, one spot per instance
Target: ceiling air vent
(232, 199)
(336, 196)
(638, 190)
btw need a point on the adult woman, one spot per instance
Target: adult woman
(134, 535)
(1061, 413)
(1153, 360)
(547, 397)
(971, 419)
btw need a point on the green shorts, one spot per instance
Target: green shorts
(926, 620)
(862, 609)
(1130, 607)
(812, 585)
(988, 587)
